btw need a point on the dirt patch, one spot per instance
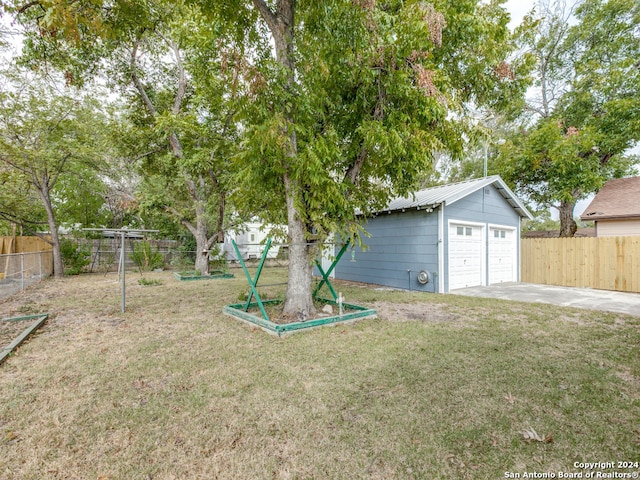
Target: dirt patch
(408, 312)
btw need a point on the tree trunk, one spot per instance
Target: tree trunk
(568, 226)
(58, 264)
(202, 252)
(298, 302)
(202, 244)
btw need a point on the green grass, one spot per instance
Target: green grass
(438, 386)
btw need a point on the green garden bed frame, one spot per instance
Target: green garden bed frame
(39, 321)
(215, 274)
(349, 312)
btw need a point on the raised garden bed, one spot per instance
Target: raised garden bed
(15, 330)
(215, 274)
(277, 326)
(262, 314)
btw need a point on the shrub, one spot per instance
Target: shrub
(74, 256)
(146, 257)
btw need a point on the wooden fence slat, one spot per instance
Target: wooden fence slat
(23, 245)
(608, 263)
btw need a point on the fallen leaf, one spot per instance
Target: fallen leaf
(531, 434)
(510, 398)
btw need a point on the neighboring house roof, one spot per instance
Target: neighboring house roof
(618, 198)
(450, 193)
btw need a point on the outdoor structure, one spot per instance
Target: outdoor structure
(23, 261)
(616, 208)
(442, 238)
(123, 233)
(255, 312)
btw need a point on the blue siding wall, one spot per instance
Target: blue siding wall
(481, 207)
(403, 241)
(399, 242)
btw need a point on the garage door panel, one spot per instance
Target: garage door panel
(502, 255)
(465, 256)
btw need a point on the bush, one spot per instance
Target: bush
(146, 257)
(74, 256)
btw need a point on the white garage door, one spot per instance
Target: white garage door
(465, 256)
(502, 255)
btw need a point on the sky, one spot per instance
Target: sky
(518, 9)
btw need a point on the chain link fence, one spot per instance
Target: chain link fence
(19, 270)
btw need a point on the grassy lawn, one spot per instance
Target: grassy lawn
(437, 386)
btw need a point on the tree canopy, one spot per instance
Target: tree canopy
(586, 111)
(51, 148)
(179, 73)
(353, 104)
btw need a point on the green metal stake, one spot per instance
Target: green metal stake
(325, 276)
(253, 283)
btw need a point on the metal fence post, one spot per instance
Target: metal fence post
(22, 271)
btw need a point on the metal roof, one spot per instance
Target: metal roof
(452, 192)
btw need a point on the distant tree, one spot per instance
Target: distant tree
(179, 72)
(586, 113)
(50, 143)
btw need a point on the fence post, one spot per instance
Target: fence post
(40, 265)
(22, 271)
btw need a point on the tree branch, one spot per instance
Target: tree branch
(138, 84)
(267, 14)
(182, 78)
(27, 6)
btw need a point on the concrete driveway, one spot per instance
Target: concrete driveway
(604, 300)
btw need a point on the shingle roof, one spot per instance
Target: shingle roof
(450, 193)
(618, 198)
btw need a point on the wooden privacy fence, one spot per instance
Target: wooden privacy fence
(606, 263)
(23, 245)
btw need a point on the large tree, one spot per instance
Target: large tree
(50, 145)
(358, 98)
(585, 113)
(180, 76)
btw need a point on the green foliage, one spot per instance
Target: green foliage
(75, 256)
(146, 257)
(380, 87)
(184, 257)
(218, 259)
(52, 149)
(542, 221)
(149, 282)
(179, 75)
(588, 113)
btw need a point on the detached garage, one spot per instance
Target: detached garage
(442, 238)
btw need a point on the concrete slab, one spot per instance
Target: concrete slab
(605, 300)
